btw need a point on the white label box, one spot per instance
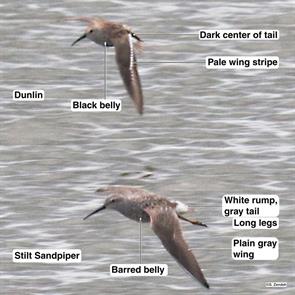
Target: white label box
(255, 248)
(242, 62)
(138, 270)
(96, 105)
(28, 95)
(46, 256)
(249, 35)
(241, 205)
(255, 223)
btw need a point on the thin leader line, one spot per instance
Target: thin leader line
(189, 34)
(170, 62)
(105, 70)
(140, 240)
(210, 249)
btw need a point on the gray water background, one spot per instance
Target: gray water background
(204, 133)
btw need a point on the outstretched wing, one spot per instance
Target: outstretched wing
(126, 60)
(165, 224)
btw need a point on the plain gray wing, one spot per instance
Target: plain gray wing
(126, 60)
(165, 224)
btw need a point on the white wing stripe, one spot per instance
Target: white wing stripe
(131, 56)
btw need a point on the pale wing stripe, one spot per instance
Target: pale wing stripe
(131, 56)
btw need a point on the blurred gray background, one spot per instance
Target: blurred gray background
(203, 134)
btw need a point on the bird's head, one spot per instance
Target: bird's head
(109, 203)
(92, 31)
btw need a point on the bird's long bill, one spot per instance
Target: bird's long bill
(79, 39)
(95, 211)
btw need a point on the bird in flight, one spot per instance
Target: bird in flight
(163, 216)
(107, 33)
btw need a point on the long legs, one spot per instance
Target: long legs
(195, 222)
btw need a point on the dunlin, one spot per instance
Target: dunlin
(163, 216)
(120, 36)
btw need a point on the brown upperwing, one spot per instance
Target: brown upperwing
(166, 226)
(126, 60)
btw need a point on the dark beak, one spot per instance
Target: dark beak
(80, 38)
(95, 211)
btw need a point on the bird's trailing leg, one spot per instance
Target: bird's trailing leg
(195, 222)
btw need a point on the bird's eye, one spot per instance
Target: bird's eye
(113, 200)
(91, 31)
